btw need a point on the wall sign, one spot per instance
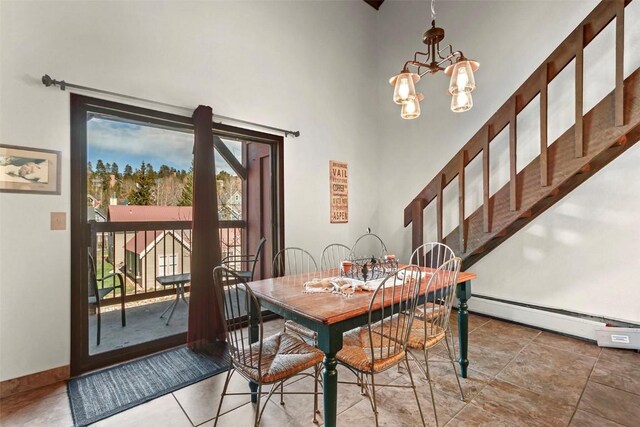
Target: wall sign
(339, 191)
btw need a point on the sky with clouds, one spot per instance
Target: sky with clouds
(129, 143)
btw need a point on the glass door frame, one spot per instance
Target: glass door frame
(81, 106)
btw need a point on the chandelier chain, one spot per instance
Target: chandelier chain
(433, 10)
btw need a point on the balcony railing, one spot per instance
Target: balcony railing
(143, 251)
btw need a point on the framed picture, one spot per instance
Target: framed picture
(29, 170)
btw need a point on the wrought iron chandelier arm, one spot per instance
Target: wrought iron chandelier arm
(427, 55)
(450, 57)
(447, 47)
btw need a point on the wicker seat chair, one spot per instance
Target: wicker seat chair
(368, 245)
(333, 255)
(295, 261)
(382, 344)
(430, 330)
(270, 361)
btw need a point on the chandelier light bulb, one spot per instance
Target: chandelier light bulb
(462, 79)
(403, 91)
(461, 102)
(411, 108)
(404, 84)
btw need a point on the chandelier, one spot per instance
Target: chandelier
(459, 68)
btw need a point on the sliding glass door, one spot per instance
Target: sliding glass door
(132, 179)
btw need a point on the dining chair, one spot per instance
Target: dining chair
(433, 255)
(333, 255)
(382, 344)
(245, 265)
(368, 245)
(269, 361)
(430, 330)
(295, 261)
(96, 294)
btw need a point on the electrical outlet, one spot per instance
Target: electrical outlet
(58, 220)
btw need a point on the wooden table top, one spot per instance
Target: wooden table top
(323, 307)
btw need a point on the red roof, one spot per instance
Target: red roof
(144, 240)
(141, 240)
(124, 213)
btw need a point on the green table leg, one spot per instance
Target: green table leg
(463, 292)
(330, 343)
(254, 336)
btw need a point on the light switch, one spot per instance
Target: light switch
(58, 220)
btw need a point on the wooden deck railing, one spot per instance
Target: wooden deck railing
(556, 176)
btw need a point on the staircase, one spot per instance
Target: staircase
(597, 137)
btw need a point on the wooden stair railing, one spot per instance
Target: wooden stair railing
(596, 138)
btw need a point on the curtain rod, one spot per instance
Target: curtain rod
(48, 81)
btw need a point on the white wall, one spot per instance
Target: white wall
(320, 67)
(580, 254)
(287, 64)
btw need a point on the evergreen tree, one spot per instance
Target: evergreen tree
(164, 171)
(128, 171)
(186, 198)
(115, 170)
(100, 169)
(142, 194)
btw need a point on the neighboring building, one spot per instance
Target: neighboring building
(150, 254)
(144, 255)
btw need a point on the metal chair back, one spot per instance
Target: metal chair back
(394, 301)
(256, 258)
(368, 246)
(333, 255)
(441, 291)
(432, 255)
(240, 307)
(92, 278)
(290, 261)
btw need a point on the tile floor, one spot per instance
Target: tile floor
(518, 377)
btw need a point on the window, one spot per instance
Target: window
(166, 265)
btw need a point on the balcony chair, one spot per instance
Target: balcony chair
(270, 361)
(97, 294)
(245, 265)
(333, 255)
(430, 330)
(295, 261)
(368, 245)
(433, 255)
(382, 343)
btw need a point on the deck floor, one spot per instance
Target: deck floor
(143, 324)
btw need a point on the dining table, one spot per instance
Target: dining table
(330, 315)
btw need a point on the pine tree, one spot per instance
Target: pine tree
(142, 194)
(186, 198)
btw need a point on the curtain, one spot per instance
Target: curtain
(205, 320)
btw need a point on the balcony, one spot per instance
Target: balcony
(142, 252)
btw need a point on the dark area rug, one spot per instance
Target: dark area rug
(104, 393)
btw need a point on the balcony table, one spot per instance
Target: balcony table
(330, 315)
(179, 280)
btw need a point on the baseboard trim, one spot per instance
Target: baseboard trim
(33, 381)
(537, 317)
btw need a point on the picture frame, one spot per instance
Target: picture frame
(29, 170)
